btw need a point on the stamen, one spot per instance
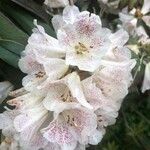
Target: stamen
(81, 48)
(138, 13)
(66, 97)
(40, 74)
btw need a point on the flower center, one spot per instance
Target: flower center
(138, 13)
(81, 48)
(40, 74)
(66, 97)
(69, 118)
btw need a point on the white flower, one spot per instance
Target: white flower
(42, 59)
(28, 124)
(65, 94)
(129, 20)
(71, 127)
(5, 88)
(146, 82)
(83, 38)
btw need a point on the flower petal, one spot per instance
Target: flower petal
(96, 137)
(119, 38)
(146, 19)
(70, 13)
(146, 7)
(146, 82)
(75, 87)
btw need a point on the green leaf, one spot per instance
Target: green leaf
(9, 57)
(9, 31)
(24, 19)
(34, 8)
(12, 46)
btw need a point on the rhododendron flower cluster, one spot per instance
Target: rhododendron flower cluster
(74, 86)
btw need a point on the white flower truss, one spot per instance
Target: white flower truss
(74, 85)
(130, 19)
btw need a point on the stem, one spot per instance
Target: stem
(139, 67)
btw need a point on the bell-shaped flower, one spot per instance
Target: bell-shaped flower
(83, 38)
(28, 124)
(65, 94)
(71, 127)
(40, 45)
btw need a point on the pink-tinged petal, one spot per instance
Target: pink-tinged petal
(84, 123)
(31, 137)
(146, 7)
(92, 93)
(111, 83)
(67, 36)
(146, 19)
(87, 24)
(70, 13)
(58, 133)
(95, 48)
(146, 82)
(28, 64)
(119, 38)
